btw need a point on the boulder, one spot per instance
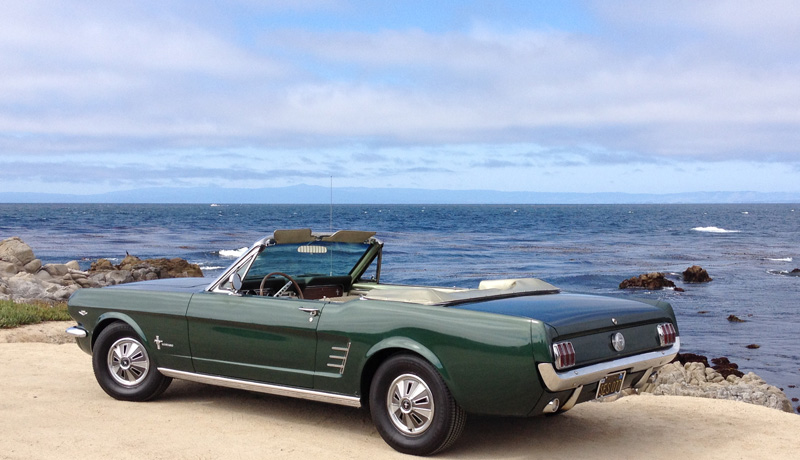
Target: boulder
(696, 274)
(651, 281)
(111, 278)
(8, 269)
(25, 287)
(56, 270)
(33, 266)
(73, 265)
(15, 251)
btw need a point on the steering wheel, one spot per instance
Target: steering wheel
(281, 290)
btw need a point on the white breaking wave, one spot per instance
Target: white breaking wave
(714, 230)
(785, 259)
(211, 267)
(233, 253)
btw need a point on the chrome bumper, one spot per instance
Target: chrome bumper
(559, 381)
(77, 331)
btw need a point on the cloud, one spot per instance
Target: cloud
(300, 90)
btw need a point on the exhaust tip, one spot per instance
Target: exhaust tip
(552, 406)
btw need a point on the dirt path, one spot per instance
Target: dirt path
(51, 407)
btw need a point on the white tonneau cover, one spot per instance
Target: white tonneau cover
(443, 296)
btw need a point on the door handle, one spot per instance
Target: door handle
(312, 312)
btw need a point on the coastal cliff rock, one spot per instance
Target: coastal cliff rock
(23, 277)
(651, 281)
(133, 268)
(695, 379)
(696, 274)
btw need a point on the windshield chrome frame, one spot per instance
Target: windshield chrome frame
(244, 261)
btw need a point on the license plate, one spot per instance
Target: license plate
(610, 384)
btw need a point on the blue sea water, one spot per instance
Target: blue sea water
(748, 249)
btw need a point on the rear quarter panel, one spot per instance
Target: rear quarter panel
(486, 360)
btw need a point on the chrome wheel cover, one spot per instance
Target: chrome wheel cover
(410, 405)
(128, 362)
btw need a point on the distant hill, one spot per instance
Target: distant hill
(311, 194)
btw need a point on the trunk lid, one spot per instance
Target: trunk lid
(574, 314)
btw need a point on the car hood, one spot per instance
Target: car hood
(166, 285)
(574, 313)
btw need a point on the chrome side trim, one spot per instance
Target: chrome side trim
(279, 390)
(342, 359)
(559, 381)
(77, 331)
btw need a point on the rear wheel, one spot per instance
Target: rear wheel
(412, 407)
(123, 367)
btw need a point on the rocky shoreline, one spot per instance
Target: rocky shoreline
(24, 278)
(694, 378)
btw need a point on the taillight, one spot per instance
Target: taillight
(666, 334)
(564, 355)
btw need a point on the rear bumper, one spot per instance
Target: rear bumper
(559, 381)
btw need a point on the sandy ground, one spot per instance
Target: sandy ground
(51, 407)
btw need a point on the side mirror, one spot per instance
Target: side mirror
(236, 282)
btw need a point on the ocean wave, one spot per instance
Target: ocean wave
(233, 253)
(212, 267)
(713, 230)
(784, 272)
(784, 259)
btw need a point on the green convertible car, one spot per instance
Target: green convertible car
(304, 314)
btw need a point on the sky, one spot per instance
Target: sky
(568, 96)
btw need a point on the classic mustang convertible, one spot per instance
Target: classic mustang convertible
(304, 314)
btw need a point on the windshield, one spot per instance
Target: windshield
(319, 258)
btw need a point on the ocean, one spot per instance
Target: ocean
(748, 249)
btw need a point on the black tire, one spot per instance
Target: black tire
(412, 407)
(122, 365)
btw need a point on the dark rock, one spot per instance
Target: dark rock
(796, 270)
(753, 346)
(725, 367)
(735, 319)
(649, 281)
(696, 274)
(101, 265)
(702, 312)
(726, 371)
(722, 361)
(684, 358)
(795, 400)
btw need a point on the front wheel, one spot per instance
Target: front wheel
(123, 367)
(412, 407)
